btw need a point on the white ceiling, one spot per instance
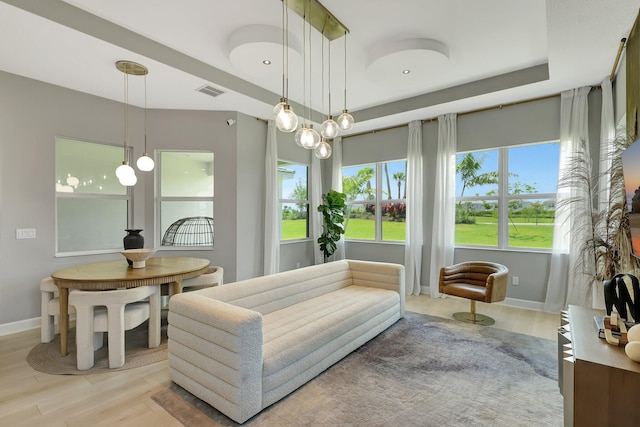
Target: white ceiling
(542, 47)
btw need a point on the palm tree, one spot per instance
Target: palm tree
(399, 177)
(386, 173)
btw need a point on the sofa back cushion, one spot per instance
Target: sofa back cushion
(270, 293)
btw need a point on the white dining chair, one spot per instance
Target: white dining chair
(213, 277)
(125, 309)
(49, 309)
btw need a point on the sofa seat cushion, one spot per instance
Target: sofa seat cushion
(295, 332)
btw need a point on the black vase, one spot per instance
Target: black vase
(133, 240)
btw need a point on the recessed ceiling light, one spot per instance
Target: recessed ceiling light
(406, 71)
(266, 62)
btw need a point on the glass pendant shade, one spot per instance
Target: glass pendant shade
(345, 121)
(310, 139)
(299, 134)
(124, 170)
(329, 128)
(323, 151)
(278, 107)
(129, 180)
(287, 121)
(145, 163)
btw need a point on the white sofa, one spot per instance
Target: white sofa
(244, 346)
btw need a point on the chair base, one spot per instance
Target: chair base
(476, 319)
(473, 317)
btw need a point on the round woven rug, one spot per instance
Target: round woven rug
(47, 358)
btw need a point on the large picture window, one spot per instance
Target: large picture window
(186, 199)
(294, 202)
(376, 201)
(92, 207)
(505, 198)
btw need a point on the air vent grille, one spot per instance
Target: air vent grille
(210, 90)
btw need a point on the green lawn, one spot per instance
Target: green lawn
(520, 236)
(362, 229)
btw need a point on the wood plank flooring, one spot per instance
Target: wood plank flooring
(31, 398)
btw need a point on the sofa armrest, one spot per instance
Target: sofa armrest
(218, 346)
(380, 275)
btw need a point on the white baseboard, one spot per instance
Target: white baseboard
(523, 303)
(19, 326)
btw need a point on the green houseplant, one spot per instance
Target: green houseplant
(332, 210)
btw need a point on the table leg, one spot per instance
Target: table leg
(64, 319)
(176, 287)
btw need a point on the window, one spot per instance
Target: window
(505, 198)
(186, 198)
(91, 206)
(376, 201)
(294, 203)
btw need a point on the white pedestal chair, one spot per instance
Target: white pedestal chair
(125, 310)
(49, 309)
(213, 277)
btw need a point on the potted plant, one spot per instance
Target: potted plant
(332, 222)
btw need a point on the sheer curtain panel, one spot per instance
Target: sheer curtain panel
(414, 234)
(444, 200)
(315, 220)
(336, 185)
(271, 211)
(565, 286)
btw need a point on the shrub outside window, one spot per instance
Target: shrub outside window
(505, 198)
(376, 201)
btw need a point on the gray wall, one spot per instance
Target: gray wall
(33, 113)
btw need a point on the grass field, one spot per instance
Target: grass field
(520, 235)
(360, 229)
(481, 234)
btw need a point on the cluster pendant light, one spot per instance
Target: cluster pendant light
(125, 173)
(286, 120)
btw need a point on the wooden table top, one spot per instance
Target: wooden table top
(113, 274)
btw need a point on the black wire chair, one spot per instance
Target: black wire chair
(192, 231)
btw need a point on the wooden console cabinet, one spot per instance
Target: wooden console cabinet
(599, 383)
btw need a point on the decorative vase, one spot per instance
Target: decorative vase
(133, 240)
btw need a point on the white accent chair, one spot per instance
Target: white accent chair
(126, 309)
(49, 309)
(213, 277)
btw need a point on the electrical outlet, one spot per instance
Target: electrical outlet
(515, 280)
(25, 233)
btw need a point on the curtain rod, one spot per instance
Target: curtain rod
(623, 41)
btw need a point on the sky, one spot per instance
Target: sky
(534, 165)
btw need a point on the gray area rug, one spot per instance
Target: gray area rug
(422, 371)
(48, 359)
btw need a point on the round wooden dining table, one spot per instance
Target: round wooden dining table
(117, 275)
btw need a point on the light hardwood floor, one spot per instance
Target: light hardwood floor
(31, 398)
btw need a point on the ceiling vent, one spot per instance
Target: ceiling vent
(210, 90)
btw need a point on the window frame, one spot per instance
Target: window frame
(282, 201)
(159, 199)
(127, 197)
(377, 202)
(503, 198)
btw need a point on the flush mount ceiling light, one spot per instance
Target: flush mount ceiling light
(407, 62)
(125, 173)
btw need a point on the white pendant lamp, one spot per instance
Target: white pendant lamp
(285, 118)
(144, 162)
(329, 128)
(345, 120)
(323, 151)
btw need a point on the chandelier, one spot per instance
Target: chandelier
(125, 173)
(320, 18)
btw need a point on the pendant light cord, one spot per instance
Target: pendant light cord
(345, 70)
(145, 114)
(126, 112)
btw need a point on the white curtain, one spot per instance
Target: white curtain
(336, 185)
(444, 200)
(315, 217)
(565, 286)
(271, 208)
(414, 238)
(607, 137)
